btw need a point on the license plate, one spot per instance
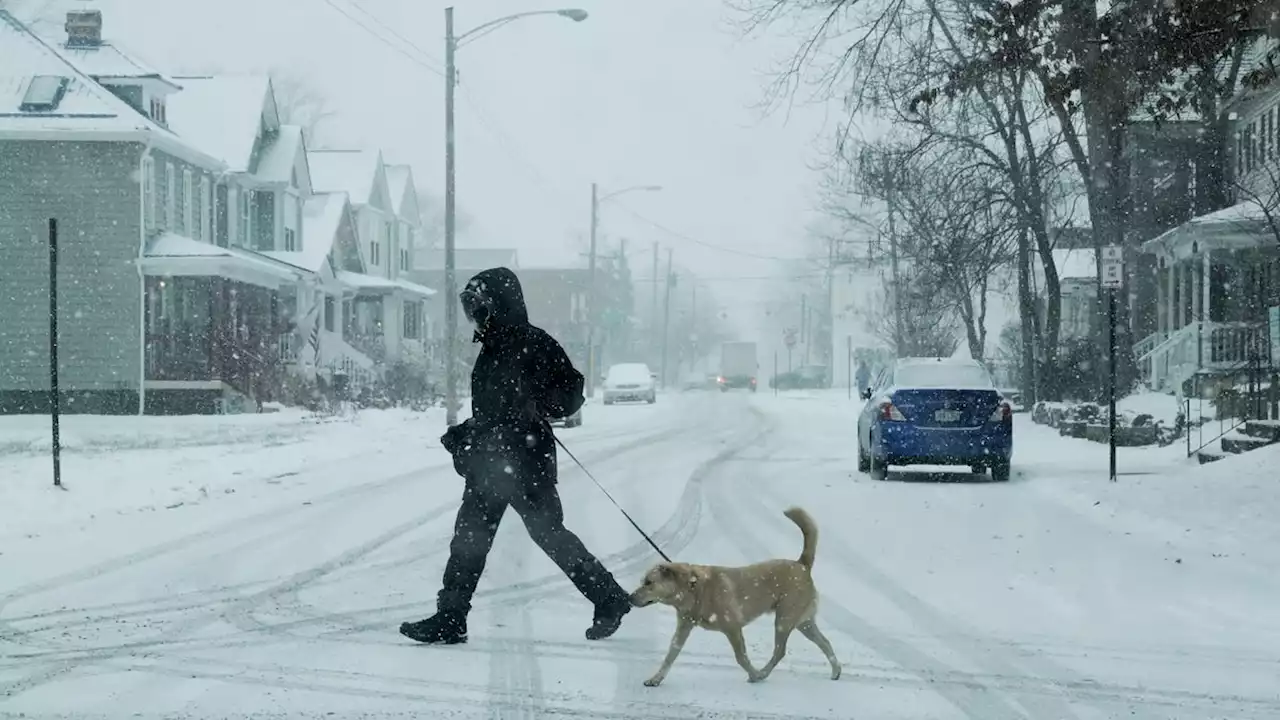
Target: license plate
(947, 416)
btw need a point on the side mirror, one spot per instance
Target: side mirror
(866, 394)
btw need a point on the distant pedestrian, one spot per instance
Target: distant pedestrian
(862, 376)
(506, 455)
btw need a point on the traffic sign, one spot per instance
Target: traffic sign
(789, 336)
(1112, 267)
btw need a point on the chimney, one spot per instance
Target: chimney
(84, 28)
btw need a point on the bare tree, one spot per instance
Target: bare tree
(300, 103)
(928, 326)
(431, 206)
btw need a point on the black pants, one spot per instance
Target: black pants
(543, 515)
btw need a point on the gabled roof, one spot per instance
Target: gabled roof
(321, 217)
(86, 111)
(223, 115)
(280, 154)
(354, 172)
(399, 178)
(108, 62)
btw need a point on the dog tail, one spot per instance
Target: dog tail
(809, 529)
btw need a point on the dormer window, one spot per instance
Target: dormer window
(157, 111)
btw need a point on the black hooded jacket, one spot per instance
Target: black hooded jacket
(521, 379)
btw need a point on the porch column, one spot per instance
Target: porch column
(1171, 307)
(1162, 301)
(1206, 284)
(1197, 292)
(1184, 293)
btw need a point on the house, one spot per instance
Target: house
(1078, 281)
(1218, 274)
(196, 258)
(170, 321)
(387, 316)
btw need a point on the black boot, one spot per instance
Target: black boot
(443, 628)
(608, 618)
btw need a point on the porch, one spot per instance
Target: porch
(384, 318)
(218, 325)
(1216, 277)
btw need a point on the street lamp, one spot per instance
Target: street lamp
(596, 199)
(451, 44)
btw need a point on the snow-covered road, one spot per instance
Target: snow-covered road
(1057, 595)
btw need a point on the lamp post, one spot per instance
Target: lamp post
(596, 200)
(452, 42)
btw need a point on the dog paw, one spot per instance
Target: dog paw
(835, 673)
(757, 677)
(653, 682)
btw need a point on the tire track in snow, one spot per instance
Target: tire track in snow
(731, 506)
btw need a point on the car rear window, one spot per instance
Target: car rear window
(629, 373)
(942, 375)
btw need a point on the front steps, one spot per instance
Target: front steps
(1250, 436)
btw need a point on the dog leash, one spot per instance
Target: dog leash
(625, 514)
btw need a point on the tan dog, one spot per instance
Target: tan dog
(728, 599)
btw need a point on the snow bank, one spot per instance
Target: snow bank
(121, 465)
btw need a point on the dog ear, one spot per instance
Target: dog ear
(668, 571)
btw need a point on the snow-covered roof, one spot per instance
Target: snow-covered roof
(321, 216)
(1075, 263)
(85, 110)
(353, 172)
(107, 61)
(1241, 226)
(398, 177)
(221, 115)
(373, 282)
(276, 162)
(172, 254)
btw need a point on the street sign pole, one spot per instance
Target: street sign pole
(1112, 282)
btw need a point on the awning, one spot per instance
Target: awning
(169, 254)
(375, 284)
(1242, 226)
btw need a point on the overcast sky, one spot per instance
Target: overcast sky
(645, 92)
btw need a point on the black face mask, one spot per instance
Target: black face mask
(477, 308)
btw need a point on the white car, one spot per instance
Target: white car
(630, 381)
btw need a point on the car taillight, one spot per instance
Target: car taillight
(891, 413)
(753, 381)
(1002, 413)
(720, 380)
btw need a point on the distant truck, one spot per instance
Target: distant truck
(738, 366)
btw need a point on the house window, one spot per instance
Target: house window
(244, 224)
(374, 253)
(183, 214)
(264, 220)
(330, 308)
(291, 223)
(157, 111)
(404, 259)
(170, 196)
(220, 219)
(149, 193)
(412, 320)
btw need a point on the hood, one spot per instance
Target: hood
(501, 286)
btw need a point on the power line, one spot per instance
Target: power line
(382, 38)
(506, 144)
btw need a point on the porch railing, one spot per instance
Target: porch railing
(1174, 360)
(1210, 346)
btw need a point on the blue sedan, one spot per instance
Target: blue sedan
(935, 411)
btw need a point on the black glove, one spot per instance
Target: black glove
(457, 437)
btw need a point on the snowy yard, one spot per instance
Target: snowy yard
(1057, 595)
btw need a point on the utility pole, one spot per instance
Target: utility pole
(890, 201)
(591, 294)
(666, 316)
(653, 311)
(450, 278)
(830, 350)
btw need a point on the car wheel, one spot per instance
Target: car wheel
(864, 462)
(978, 469)
(1000, 471)
(607, 401)
(652, 399)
